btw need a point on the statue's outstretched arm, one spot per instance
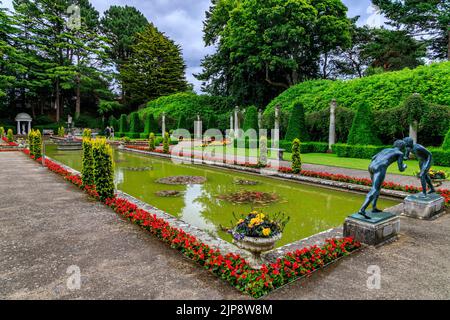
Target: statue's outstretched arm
(401, 166)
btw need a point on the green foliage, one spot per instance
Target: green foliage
(87, 171)
(166, 143)
(251, 119)
(61, 132)
(263, 145)
(190, 104)
(430, 18)
(151, 125)
(2, 132)
(103, 168)
(297, 126)
(212, 122)
(363, 131)
(356, 151)
(296, 158)
(441, 157)
(381, 92)
(264, 47)
(123, 124)
(182, 122)
(36, 144)
(87, 133)
(88, 121)
(10, 135)
(135, 123)
(106, 106)
(415, 107)
(151, 142)
(445, 144)
(30, 140)
(155, 68)
(318, 124)
(113, 122)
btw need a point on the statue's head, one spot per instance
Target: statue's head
(400, 144)
(409, 142)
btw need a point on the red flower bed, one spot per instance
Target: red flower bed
(230, 267)
(13, 144)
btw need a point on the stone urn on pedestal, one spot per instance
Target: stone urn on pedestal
(256, 246)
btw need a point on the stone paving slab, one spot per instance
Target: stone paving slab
(47, 225)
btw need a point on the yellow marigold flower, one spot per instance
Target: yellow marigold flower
(266, 232)
(240, 221)
(261, 216)
(255, 221)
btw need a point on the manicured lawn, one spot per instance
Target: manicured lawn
(350, 163)
(362, 164)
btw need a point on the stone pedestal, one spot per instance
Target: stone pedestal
(382, 227)
(423, 207)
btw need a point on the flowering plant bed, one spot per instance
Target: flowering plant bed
(245, 182)
(182, 180)
(259, 225)
(169, 193)
(254, 197)
(230, 267)
(10, 143)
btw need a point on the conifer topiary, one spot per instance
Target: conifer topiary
(2, 132)
(37, 144)
(151, 125)
(87, 171)
(135, 123)
(10, 135)
(296, 157)
(251, 119)
(297, 125)
(103, 168)
(363, 131)
(446, 143)
(151, 142)
(123, 124)
(166, 143)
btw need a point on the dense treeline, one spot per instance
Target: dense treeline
(58, 57)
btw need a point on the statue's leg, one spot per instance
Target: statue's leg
(377, 184)
(423, 177)
(369, 197)
(430, 184)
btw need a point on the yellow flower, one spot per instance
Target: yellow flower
(266, 232)
(261, 216)
(240, 221)
(255, 221)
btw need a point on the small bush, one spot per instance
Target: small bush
(61, 132)
(30, 140)
(2, 132)
(113, 122)
(166, 143)
(87, 133)
(10, 135)
(103, 169)
(263, 150)
(151, 142)
(296, 157)
(87, 171)
(441, 157)
(37, 144)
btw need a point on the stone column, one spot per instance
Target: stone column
(332, 132)
(18, 127)
(198, 130)
(277, 117)
(29, 126)
(163, 125)
(236, 122)
(413, 131)
(260, 119)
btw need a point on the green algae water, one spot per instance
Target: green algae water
(311, 209)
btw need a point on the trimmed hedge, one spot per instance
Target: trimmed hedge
(440, 157)
(103, 168)
(297, 126)
(251, 119)
(381, 91)
(356, 151)
(363, 130)
(305, 147)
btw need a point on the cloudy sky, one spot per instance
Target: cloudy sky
(182, 20)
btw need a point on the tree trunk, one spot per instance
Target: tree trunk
(78, 103)
(57, 106)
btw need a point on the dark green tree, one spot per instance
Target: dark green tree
(264, 47)
(182, 122)
(120, 25)
(362, 131)
(427, 20)
(297, 125)
(155, 68)
(135, 123)
(251, 119)
(446, 143)
(212, 122)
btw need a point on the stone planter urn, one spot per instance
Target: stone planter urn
(256, 246)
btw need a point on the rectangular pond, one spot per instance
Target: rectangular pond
(311, 209)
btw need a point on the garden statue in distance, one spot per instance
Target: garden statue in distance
(425, 161)
(378, 168)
